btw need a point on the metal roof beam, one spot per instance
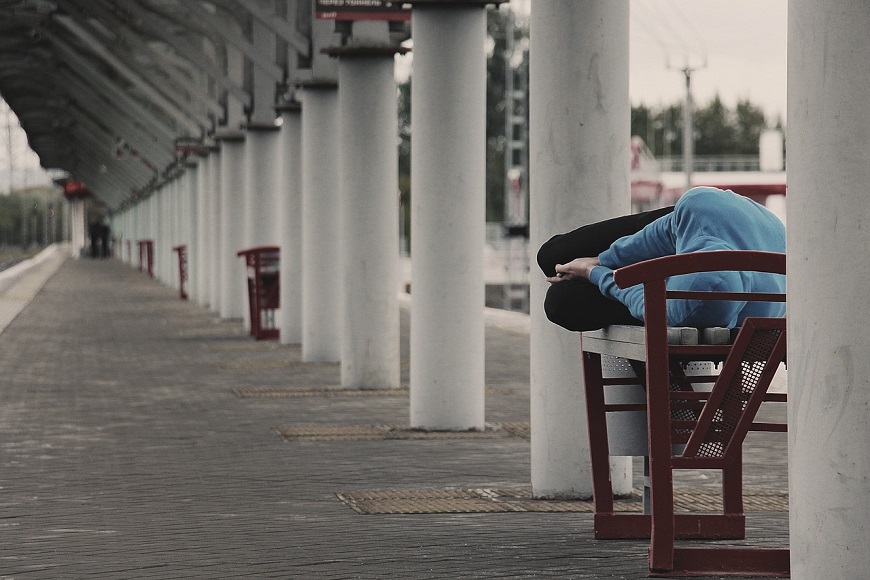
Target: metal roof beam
(157, 26)
(279, 26)
(157, 150)
(109, 19)
(180, 115)
(236, 38)
(89, 73)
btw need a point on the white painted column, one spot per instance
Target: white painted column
(369, 222)
(199, 274)
(176, 221)
(191, 224)
(579, 152)
(828, 276)
(260, 203)
(321, 323)
(260, 206)
(448, 215)
(213, 239)
(233, 275)
(163, 248)
(289, 180)
(153, 231)
(77, 226)
(133, 212)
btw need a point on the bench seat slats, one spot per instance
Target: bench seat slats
(627, 341)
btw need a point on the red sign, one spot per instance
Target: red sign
(360, 10)
(73, 189)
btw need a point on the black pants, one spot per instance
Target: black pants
(577, 304)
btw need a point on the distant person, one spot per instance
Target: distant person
(580, 264)
(105, 239)
(94, 233)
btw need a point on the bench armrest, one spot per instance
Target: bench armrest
(719, 260)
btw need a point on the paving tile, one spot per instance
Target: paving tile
(125, 452)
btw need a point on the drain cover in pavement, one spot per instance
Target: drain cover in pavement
(374, 432)
(488, 500)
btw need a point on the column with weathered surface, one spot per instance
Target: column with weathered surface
(191, 224)
(213, 234)
(199, 279)
(289, 183)
(828, 275)
(448, 181)
(579, 154)
(233, 285)
(260, 201)
(369, 216)
(321, 322)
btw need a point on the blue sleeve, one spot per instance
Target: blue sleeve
(632, 297)
(700, 313)
(653, 241)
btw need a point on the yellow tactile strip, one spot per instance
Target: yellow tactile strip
(316, 432)
(488, 500)
(327, 391)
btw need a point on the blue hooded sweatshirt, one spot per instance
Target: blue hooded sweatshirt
(704, 219)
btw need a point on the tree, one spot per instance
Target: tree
(718, 129)
(714, 130)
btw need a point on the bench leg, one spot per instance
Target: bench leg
(602, 489)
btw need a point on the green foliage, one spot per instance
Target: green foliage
(718, 129)
(30, 217)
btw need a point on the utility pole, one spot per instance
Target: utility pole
(688, 129)
(516, 287)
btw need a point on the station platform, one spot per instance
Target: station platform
(143, 437)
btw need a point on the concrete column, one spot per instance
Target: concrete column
(177, 218)
(191, 224)
(579, 151)
(77, 226)
(369, 221)
(260, 206)
(133, 234)
(233, 285)
(260, 203)
(214, 219)
(321, 324)
(289, 180)
(199, 276)
(153, 229)
(828, 276)
(169, 219)
(448, 214)
(162, 233)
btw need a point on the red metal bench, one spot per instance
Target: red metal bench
(688, 428)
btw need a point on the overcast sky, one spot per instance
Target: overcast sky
(737, 46)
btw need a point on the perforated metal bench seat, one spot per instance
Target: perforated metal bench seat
(627, 341)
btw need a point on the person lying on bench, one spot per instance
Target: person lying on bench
(580, 264)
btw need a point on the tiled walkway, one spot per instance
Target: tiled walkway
(140, 439)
